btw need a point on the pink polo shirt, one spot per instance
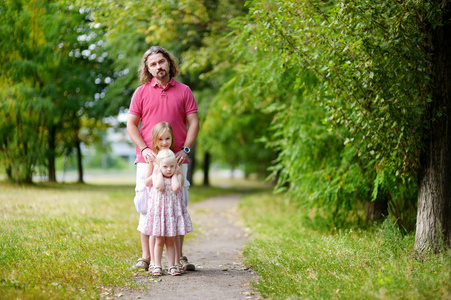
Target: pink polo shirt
(153, 105)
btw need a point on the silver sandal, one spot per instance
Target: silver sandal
(174, 271)
(157, 271)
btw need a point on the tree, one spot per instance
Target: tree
(49, 82)
(78, 61)
(378, 65)
(25, 97)
(434, 175)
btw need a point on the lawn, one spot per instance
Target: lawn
(71, 240)
(297, 260)
(80, 241)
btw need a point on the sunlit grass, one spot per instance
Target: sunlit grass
(66, 240)
(296, 261)
(61, 241)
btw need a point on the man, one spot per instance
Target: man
(161, 98)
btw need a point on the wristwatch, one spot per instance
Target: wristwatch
(186, 150)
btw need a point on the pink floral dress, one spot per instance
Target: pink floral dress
(166, 213)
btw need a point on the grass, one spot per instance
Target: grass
(79, 241)
(296, 260)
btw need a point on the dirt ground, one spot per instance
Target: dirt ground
(216, 251)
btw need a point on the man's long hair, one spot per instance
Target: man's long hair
(143, 71)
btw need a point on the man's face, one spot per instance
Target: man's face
(158, 66)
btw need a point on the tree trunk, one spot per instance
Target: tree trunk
(9, 173)
(51, 143)
(377, 210)
(434, 177)
(79, 159)
(207, 169)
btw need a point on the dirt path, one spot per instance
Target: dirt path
(216, 250)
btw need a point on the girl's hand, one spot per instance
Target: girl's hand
(157, 180)
(156, 169)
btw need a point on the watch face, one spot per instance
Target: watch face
(186, 149)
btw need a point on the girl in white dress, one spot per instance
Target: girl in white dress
(166, 216)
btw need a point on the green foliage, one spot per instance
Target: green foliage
(294, 261)
(311, 158)
(371, 62)
(25, 97)
(344, 86)
(22, 130)
(48, 82)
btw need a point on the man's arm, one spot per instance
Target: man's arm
(193, 130)
(135, 135)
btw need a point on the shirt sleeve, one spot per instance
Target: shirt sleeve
(136, 102)
(190, 103)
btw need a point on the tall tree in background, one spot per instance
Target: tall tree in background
(382, 76)
(48, 73)
(77, 55)
(25, 99)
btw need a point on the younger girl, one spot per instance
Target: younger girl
(166, 216)
(162, 138)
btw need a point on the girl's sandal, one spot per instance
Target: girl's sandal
(181, 270)
(174, 271)
(157, 271)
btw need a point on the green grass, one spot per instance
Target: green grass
(62, 241)
(296, 260)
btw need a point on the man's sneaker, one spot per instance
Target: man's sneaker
(186, 265)
(142, 264)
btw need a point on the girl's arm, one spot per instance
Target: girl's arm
(179, 172)
(157, 178)
(177, 180)
(149, 174)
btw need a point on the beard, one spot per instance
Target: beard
(161, 74)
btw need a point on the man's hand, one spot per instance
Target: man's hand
(149, 155)
(181, 156)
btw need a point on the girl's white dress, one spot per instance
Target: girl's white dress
(166, 213)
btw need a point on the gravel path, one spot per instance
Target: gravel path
(216, 250)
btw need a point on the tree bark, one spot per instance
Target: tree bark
(79, 159)
(51, 143)
(9, 173)
(207, 169)
(433, 230)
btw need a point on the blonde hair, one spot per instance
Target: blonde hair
(164, 154)
(158, 130)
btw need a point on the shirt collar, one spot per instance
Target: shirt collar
(154, 83)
